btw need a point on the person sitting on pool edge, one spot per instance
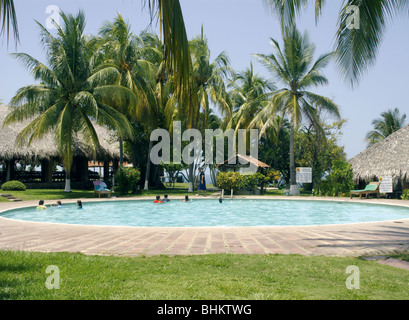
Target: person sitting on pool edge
(165, 199)
(41, 205)
(186, 199)
(157, 200)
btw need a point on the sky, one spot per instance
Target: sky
(241, 28)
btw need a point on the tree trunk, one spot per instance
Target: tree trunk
(67, 181)
(293, 182)
(190, 177)
(148, 167)
(121, 152)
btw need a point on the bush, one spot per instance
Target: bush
(339, 181)
(229, 180)
(251, 182)
(405, 195)
(127, 179)
(13, 185)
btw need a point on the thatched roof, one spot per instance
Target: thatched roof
(248, 159)
(389, 157)
(47, 147)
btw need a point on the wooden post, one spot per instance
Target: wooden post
(47, 170)
(10, 170)
(106, 171)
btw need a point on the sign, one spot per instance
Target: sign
(304, 175)
(386, 185)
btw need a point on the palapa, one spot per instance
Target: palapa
(47, 148)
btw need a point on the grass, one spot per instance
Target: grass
(403, 256)
(212, 277)
(179, 190)
(53, 194)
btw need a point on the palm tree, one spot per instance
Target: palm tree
(295, 68)
(124, 53)
(161, 86)
(176, 46)
(389, 122)
(356, 48)
(72, 93)
(209, 79)
(249, 93)
(169, 13)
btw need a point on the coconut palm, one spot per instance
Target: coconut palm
(295, 68)
(209, 77)
(389, 122)
(249, 91)
(72, 93)
(209, 87)
(356, 48)
(176, 47)
(161, 85)
(122, 48)
(169, 13)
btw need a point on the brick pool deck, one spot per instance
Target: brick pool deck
(361, 239)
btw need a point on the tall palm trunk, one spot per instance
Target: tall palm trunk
(121, 152)
(67, 181)
(148, 167)
(191, 169)
(293, 182)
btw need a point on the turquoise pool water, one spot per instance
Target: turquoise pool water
(211, 213)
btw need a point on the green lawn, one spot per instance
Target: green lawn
(212, 277)
(179, 190)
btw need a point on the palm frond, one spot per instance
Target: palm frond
(8, 18)
(357, 46)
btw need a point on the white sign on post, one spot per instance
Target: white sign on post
(386, 185)
(304, 175)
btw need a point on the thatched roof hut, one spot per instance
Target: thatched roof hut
(237, 164)
(46, 148)
(389, 157)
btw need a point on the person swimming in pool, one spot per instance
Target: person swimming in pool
(79, 204)
(165, 199)
(186, 199)
(57, 204)
(41, 205)
(157, 200)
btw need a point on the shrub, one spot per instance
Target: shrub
(339, 181)
(13, 185)
(127, 179)
(251, 182)
(405, 195)
(229, 180)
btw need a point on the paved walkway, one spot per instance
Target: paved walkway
(360, 239)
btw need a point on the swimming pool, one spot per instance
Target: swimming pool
(211, 213)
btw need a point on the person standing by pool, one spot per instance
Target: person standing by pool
(202, 182)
